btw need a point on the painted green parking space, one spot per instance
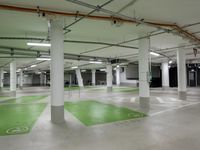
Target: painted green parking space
(93, 112)
(72, 88)
(25, 99)
(3, 98)
(19, 118)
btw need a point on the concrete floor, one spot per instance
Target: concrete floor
(172, 125)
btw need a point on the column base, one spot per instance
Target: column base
(13, 93)
(20, 87)
(144, 102)
(182, 95)
(57, 114)
(165, 87)
(81, 87)
(109, 89)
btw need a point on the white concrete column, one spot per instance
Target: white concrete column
(57, 70)
(93, 77)
(45, 79)
(144, 94)
(165, 75)
(79, 78)
(1, 78)
(13, 78)
(118, 76)
(109, 77)
(41, 79)
(21, 79)
(181, 69)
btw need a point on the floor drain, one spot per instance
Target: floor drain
(17, 130)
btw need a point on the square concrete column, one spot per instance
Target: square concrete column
(57, 70)
(181, 69)
(118, 76)
(13, 78)
(1, 78)
(93, 77)
(144, 93)
(109, 77)
(165, 75)
(41, 79)
(79, 78)
(21, 79)
(45, 79)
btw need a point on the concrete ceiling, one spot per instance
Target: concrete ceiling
(23, 24)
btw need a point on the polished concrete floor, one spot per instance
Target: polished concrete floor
(172, 124)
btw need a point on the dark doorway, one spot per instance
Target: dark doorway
(173, 82)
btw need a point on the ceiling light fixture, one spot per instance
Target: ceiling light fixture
(170, 62)
(154, 54)
(75, 67)
(39, 44)
(32, 66)
(83, 70)
(95, 62)
(102, 69)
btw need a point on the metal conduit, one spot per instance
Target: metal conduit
(91, 12)
(34, 10)
(68, 41)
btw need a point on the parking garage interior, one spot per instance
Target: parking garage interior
(99, 74)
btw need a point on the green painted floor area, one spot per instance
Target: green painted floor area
(19, 119)
(93, 112)
(72, 88)
(3, 98)
(25, 99)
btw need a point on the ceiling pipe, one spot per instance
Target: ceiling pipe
(156, 25)
(136, 39)
(126, 6)
(108, 18)
(68, 41)
(88, 14)
(17, 51)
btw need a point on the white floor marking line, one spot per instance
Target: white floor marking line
(160, 100)
(161, 112)
(174, 99)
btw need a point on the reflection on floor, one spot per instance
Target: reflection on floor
(171, 124)
(93, 112)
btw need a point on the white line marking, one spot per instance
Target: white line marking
(160, 100)
(180, 107)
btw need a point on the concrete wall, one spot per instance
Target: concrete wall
(123, 77)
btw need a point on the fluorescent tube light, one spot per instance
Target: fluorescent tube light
(43, 58)
(154, 54)
(33, 66)
(75, 67)
(102, 69)
(95, 62)
(83, 70)
(39, 44)
(170, 62)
